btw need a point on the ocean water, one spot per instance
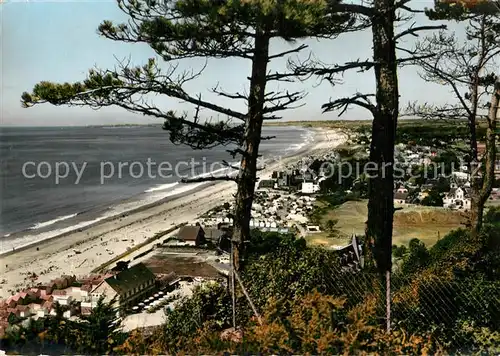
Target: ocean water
(59, 179)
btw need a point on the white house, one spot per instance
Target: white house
(309, 188)
(457, 198)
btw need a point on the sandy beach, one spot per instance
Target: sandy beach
(103, 241)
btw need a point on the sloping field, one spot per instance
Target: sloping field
(425, 223)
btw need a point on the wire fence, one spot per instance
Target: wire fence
(461, 314)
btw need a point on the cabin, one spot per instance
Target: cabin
(192, 235)
(400, 198)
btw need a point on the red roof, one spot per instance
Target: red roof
(22, 308)
(15, 298)
(13, 311)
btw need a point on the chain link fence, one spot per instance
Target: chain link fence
(461, 314)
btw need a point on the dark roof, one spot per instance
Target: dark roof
(400, 196)
(189, 233)
(130, 278)
(214, 234)
(427, 187)
(349, 256)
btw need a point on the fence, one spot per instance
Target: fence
(460, 313)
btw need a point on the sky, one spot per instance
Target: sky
(57, 41)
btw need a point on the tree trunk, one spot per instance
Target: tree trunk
(476, 212)
(483, 192)
(381, 181)
(253, 127)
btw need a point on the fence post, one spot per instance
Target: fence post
(248, 298)
(233, 294)
(388, 299)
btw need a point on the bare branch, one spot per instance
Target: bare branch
(432, 112)
(414, 30)
(283, 102)
(343, 104)
(284, 53)
(228, 95)
(305, 69)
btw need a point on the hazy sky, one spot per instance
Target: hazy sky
(57, 41)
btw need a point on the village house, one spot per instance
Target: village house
(266, 184)
(126, 287)
(457, 198)
(309, 188)
(192, 235)
(400, 198)
(62, 297)
(402, 189)
(282, 179)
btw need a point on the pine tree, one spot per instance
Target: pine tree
(469, 68)
(382, 16)
(101, 330)
(182, 29)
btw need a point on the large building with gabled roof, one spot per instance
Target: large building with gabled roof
(127, 287)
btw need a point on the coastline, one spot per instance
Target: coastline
(111, 236)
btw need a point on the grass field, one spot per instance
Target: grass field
(350, 124)
(424, 223)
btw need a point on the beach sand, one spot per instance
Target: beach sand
(105, 240)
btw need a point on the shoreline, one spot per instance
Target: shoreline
(105, 239)
(63, 224)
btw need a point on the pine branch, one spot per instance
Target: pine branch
(209, 179)
(414, 30)
(432, 112)
(281, 77)
(308, 68)
(284, 102)
(343, 104)
(107, 88)
(352, 9)
(284, 53)
(228, 95)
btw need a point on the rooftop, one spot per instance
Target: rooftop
(189, 233)
(130, 278)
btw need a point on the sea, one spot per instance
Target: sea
(59, 179)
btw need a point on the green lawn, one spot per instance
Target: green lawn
(425, 223)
